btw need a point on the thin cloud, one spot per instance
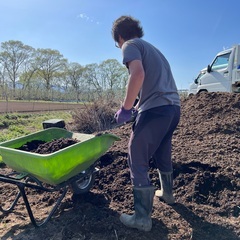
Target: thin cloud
(85, 17)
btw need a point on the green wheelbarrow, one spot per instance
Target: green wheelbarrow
(73, 167)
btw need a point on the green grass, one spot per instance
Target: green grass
(19, 124)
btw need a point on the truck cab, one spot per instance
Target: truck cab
(223, 74)
(193, 89)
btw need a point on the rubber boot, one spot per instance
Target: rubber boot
(166, 182)
(143, 203)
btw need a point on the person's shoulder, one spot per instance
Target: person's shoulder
(139, 41)
(135, 42)
(143, 43)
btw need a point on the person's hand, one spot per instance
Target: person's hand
(123, 115)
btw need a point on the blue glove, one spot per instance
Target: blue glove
(123, 115)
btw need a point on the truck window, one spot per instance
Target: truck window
(221, 61)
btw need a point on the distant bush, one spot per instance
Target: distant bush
(94, 117)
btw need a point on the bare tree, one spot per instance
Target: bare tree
(113, 77)
(63, 84)
(27, 77)
(91, 76)
(13, 56)
(49, 63)
(75, 74)
(3, 84)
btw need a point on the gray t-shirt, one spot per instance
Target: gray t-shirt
(159, 87)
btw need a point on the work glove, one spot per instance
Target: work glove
(124, 116)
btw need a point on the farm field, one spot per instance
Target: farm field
(21, 106)
(206, 186)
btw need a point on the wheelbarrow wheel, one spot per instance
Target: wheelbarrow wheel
(84, 184)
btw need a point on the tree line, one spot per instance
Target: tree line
(27, 73)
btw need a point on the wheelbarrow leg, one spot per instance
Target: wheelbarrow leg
(30, 213)
(8, 179)
(13, 204)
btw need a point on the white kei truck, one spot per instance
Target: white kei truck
(222, 75)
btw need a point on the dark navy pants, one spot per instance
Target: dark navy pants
(151, 137)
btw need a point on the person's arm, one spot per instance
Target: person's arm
(135, 82)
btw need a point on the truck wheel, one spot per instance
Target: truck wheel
(202, 91)
(84, 184)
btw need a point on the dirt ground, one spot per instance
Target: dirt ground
(206, 186)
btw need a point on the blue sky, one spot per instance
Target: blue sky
(188, 32)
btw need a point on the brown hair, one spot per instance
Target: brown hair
(127, 27)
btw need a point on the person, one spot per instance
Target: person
(151, 80)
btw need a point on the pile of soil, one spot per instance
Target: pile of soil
(206, 185)
(43, 147)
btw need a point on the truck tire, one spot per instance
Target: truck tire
(202, 91)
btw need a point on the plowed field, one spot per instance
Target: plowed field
(14, 106)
